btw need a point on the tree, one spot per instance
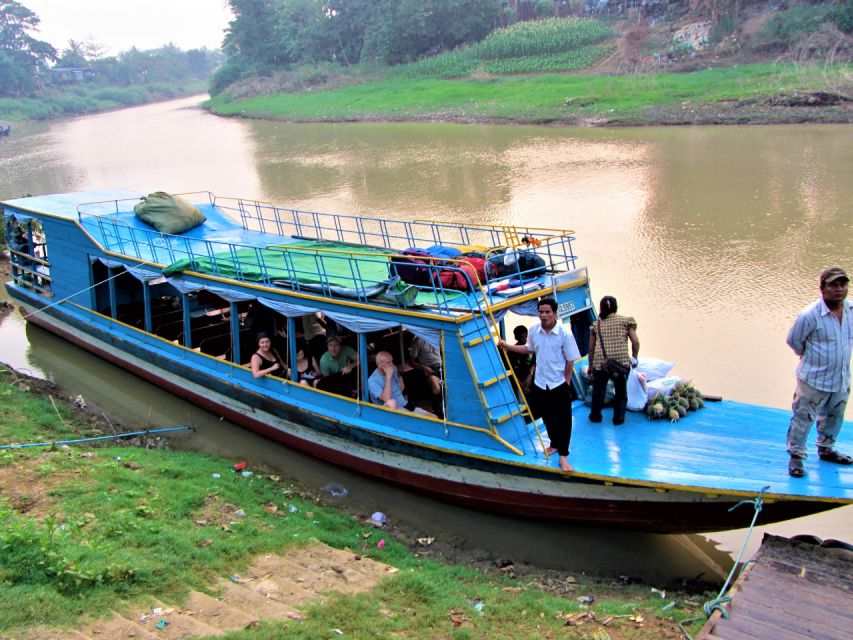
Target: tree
(73, 55)
(251, 36)
(22, 55)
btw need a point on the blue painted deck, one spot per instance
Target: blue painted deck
(725, 447)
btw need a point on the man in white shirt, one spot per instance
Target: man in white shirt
(551, 392)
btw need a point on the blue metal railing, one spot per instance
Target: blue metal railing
(287, 265)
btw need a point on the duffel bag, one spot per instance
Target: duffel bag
(480, 266)
(454, 278)
(412, 267)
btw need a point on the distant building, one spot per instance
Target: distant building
(70, 75)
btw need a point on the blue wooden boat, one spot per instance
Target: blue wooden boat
(176, 310)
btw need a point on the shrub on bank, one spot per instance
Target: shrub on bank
(801, 20)
(542, 45)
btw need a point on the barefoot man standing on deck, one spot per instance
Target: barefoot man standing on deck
(551, 392)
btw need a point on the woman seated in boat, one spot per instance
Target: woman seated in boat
(306, 367)
(266, 361)
(386, 385)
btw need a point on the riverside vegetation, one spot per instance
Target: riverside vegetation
(88, 529)
(585, 71)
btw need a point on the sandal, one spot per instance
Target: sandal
(795, 467)
(834, 456)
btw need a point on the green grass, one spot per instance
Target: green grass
(84, 99)
(123, 524)
(536, 98)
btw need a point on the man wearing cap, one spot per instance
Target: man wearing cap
(822, 336)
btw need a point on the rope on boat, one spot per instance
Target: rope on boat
(76, 293)
(131, 434)
(717, 603)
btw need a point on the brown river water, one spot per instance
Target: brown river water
(711, 237)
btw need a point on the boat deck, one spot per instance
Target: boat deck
(727, 447)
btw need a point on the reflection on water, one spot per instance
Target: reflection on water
(712, 237)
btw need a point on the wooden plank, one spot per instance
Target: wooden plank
(728, 634)
(802, 619)
(769, 630)
(804, 593)
(807, 621)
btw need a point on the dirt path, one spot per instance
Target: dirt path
(274, 587)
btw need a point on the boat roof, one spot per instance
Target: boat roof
(324, 254)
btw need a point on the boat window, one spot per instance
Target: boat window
(339, 360)
(419, 365)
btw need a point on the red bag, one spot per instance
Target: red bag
(481, 267)
(455, 278)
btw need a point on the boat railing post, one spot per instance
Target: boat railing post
(185, 304)
(278, 221)
(339, 232)
(235, 332)
(362, 367)
(111, 286)
(146, 303)
(359, 229)
(297, 222)
(291, 342)
(289, 266)
(318, 229)
(260, 217)
(262, 266)
(232, 250)
(320, 269)
(211, 255)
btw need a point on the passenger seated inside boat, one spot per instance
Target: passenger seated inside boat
(338, 368)
(266, 361)
(426, 359)
(386, 385)
(306, 367)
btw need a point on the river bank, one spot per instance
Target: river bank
(91, 100)
(124, 522)
(749, 94)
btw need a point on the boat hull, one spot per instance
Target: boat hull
(481, 483)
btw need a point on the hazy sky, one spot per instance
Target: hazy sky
(118, 25)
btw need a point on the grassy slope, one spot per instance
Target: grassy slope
(537, 98)
(89, 98)
(118, 523)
